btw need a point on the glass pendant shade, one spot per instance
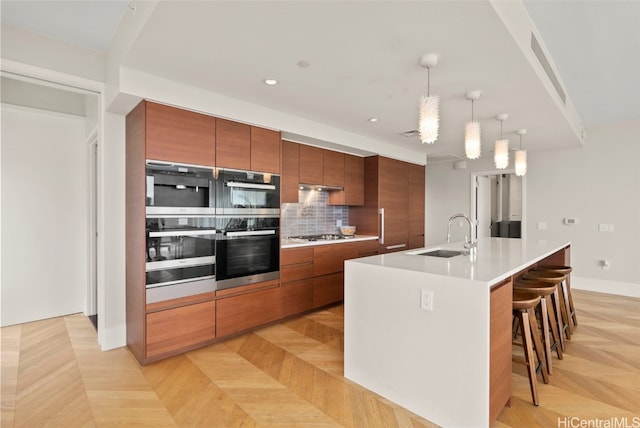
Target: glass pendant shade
(472, 140)
(429, 118)
(521, 162)
(501, 156)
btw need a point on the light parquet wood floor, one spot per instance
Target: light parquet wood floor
(290, 374)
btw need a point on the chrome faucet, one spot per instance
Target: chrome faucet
(470, 243)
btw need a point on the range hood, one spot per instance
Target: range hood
(320, 187)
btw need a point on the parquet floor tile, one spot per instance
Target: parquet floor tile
(291, 375)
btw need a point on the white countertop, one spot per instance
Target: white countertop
(294, 243)
(495, 259)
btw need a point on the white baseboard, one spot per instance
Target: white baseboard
(605, 286)
(114, 337)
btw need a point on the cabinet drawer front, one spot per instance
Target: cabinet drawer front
(295, 256)
(329, 259)
(296, 272)
(179, 328)
(240, 313)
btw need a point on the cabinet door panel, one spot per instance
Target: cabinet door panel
(290, 177)
(416, 200)
(328, 289)
(265, 150)
(353, 180)
(240, 313)
(177, 135)
(330, 258)
(394, 198)
(311, 165)
(297, 297)
(500, 345)
(233, 144)
(333, 168)
(175, 329)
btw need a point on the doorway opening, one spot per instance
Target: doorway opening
(498, 204)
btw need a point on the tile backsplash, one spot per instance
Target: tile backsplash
(312, 215)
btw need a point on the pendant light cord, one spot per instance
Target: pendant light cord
(472, 110)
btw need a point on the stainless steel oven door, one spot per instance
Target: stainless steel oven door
(247, 257)
(248, 193)
(177, 256)
(179, 189)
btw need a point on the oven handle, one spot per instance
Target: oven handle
(252, 233)
(250, 185)
(182, 233)
(180, 263)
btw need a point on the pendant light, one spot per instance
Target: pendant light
(429, 114)
(521, 156)
(472, 131)
(501, 155)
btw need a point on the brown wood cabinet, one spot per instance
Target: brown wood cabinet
(333, 168)
(311, 165)
(265, 150)
(297, 297)
(233, 145)
(179, 329)
(387, 196)
(329, 259)
(500, 348)
(177, 135)
(290, 177)
(416, 205)
(328, 289)
(353, 193)
(243, 312)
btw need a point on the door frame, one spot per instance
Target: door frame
(473, 191)
(27, 72)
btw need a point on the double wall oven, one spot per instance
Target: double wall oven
(209, 229)
(248, 224)
(180, 230)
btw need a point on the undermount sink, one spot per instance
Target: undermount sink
(440, 253)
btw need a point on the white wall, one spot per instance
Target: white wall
(599, 183)
(44, 215)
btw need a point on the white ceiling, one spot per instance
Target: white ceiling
(363, 60)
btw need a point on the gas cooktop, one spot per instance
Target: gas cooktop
(324, 237)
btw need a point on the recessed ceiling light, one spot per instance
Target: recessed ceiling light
(303, 64)
(373, 119)
(270, 82)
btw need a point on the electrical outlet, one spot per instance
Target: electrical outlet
(542, 225)
(606, 227)
(426, 300)
(339, 223)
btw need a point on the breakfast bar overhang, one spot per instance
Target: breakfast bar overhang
(433, 334)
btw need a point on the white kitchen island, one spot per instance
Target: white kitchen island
(451, 364)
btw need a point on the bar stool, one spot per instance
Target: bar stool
(566, 288)
(555, 279)
(527, 287)
(523, 310)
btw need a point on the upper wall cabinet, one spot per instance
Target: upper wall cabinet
(233, 145)
(353, 193)
(311, 165)
(241, 146)
(290, 179)
(176, 135)
(333, 168)
(265, 150)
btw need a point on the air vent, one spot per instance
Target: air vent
(433, 159)
(546, 66)
(412, 133)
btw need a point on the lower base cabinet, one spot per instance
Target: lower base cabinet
(297, 297)
(173, 330)
(243, 312)
(328, 289)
